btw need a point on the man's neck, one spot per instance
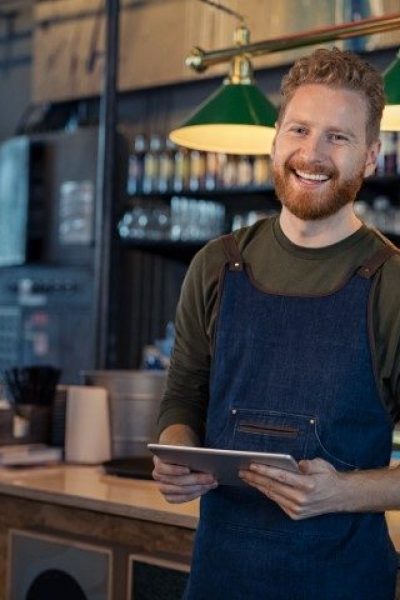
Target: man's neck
(324, 232)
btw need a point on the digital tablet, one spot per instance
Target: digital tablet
(223, 464)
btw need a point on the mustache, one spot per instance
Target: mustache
(297, 164)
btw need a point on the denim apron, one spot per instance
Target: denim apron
(293, 374)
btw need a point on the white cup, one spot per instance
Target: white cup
(87, 425)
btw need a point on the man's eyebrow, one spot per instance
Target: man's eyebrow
(297, 122)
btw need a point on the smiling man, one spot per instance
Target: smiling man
(288, 340)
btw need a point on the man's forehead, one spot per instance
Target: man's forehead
(318, 102)
(309, 93)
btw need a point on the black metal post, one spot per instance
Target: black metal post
(105, 188)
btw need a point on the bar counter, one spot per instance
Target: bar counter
(84, 505)
(75, 507)
(89, 488)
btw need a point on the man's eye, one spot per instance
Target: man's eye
(337, 137)
(298, 130)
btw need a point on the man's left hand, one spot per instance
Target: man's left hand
(315, 490)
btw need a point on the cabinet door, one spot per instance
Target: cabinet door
(151, 578)
(45, 567)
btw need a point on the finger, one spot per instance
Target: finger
(317, 465)
(295, 480)
(177, 499)
(281, 475)
(274, 489)
(176, 490)
(169, 468)
(184, 480)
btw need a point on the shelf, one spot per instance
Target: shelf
(386, 180)
(375, 180)
(208, 194)
(179, 249)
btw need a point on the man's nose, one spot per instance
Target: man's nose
(313, 148)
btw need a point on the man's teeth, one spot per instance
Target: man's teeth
(312, 176)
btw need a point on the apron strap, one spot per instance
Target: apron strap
(232, 252)
(367, 269)
(375, 262)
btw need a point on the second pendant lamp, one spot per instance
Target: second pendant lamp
(237, 119)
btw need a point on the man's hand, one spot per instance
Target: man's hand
(316, 490)
(179, 484)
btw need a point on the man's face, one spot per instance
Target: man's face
(320, 154)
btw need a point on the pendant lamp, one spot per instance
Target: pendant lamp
(391, 113)
(236, 119)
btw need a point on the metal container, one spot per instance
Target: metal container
(135, 398)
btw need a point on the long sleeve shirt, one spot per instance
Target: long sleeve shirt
(277, 265)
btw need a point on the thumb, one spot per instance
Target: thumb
(317, 465)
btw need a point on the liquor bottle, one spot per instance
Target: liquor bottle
(136, 166)
(380, 163)
(152, 165)
(244, 171)
(398, 153)
(222, 160)
(181, 170)
(230, 172)
(211, 171)
(167, 166)
(261, 171)
(390, 153)
(197, 171)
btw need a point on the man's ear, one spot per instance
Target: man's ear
(372, 158)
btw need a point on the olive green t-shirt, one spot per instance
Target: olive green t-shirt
(277, 265)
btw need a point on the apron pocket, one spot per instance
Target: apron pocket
(335, 456)
(271, 431)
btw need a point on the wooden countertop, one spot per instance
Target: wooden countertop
(88, 487)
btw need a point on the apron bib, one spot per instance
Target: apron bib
(294, 375)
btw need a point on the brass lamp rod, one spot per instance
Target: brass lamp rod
(199, 60)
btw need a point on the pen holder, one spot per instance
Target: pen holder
(38, 424)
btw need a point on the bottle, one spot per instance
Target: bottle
(244, 171)
(261, 170)
(390, 153)
(167, 166)
(197, 171)
(222, 160)
(181, 170)
(211, 171)
(151, 168)
(380, 163)
(230, 172)
(136, 165)
(398, 153)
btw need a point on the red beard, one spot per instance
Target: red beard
(311, 205)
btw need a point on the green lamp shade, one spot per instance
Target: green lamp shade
(236, 119)
(391, 113)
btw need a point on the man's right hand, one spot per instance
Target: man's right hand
(180, 484)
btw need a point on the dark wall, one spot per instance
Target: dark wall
(153, 110)
(150, 284)
(15, 63)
